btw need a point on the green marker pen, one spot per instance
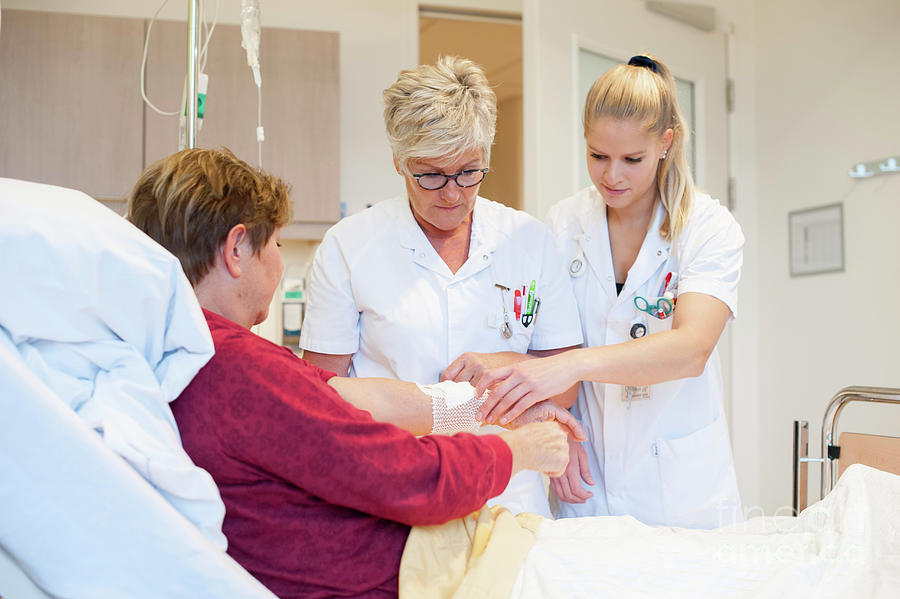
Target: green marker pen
(529, 307)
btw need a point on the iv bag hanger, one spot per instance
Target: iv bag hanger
(250, 41)
(193, 74)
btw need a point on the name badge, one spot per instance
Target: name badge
(630, 392)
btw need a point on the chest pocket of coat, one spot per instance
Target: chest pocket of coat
(658, 325)
(521, 335)
(654, 324)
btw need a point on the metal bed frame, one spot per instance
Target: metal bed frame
(831, 452)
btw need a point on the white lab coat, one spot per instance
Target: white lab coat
(667, 459)
(380, 291)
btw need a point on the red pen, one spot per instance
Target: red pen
(517, 304)
(666, 284)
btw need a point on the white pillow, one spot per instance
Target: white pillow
(79, 522)
(106, 318)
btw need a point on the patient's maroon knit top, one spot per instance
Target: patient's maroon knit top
(319, 497)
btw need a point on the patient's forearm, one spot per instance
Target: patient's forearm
(387, 400)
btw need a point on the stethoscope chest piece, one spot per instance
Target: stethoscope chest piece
(638, 330)
(576, 266)
(505, 330)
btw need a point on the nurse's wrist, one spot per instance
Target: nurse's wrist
(580, 364)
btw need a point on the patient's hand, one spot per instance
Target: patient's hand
(539, 446)
(568, 487)
(547, 410)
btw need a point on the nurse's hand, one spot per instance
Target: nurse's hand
(568, 487)
(470, 366)
(517, 387)
(547, 410)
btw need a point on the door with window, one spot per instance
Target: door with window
(569, 43)
(494, 41)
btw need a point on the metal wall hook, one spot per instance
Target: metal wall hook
(861, 171)
(889, 166)
(885, 166)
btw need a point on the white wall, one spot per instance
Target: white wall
(827, 89)
(738, 18)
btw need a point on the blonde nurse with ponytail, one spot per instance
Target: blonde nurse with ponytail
(655, 264)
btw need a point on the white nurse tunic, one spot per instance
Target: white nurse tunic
(379, 290)
(665, 459)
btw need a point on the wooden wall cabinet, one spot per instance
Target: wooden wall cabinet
(73, 116)
(300, 109)
(70, 97)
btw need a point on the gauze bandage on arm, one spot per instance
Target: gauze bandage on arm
(454, 407)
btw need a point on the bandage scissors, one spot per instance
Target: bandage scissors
(661, 308)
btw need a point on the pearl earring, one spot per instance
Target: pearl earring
(664, 154)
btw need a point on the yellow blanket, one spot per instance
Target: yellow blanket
(476, 557)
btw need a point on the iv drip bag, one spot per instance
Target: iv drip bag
(250, 32)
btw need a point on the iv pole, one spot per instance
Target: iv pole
(193, 72)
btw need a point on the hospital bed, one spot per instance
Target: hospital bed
(878, 451)
(99, 330)
(845, 545)
(77, 521)
(81, 517)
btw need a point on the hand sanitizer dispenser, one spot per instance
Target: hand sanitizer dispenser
(292, 309)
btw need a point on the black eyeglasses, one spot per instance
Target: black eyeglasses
(435, 181)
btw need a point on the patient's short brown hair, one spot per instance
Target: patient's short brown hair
(189, 202)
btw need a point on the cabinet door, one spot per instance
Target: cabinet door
(300, 104)
(70, 92)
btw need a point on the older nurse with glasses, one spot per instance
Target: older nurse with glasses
(439, 282)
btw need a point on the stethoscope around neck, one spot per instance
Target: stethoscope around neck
(577, 267)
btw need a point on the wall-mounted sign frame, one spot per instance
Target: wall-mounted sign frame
(817, 240)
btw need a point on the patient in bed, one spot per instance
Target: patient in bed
(319, 496)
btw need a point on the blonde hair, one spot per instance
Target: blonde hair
(636, 92)
(189, 201)
(440, 111)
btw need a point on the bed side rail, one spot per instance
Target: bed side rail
(831, 452)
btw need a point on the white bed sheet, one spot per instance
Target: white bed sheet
(847, 545)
